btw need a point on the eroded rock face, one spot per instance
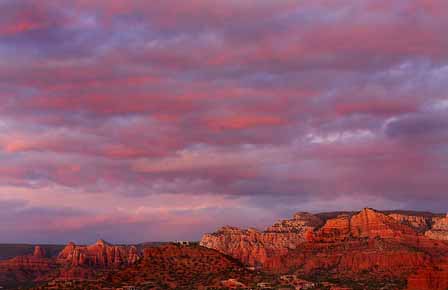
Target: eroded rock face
(39, 252)
(433, 277)
(419, 223)
(73, 262)
(349, 245)
(100, 254)
(335, 229)
(301, 221)
(370, 223)
(439, 231)
(254, 247)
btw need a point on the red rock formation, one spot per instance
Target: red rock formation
(439, 230)
(100, 254)
(254, 247)
(419, 223)
(37, 261)
(299, 222)
(351, 259)
(335, 229)
(39, 252)
(368, 243)
(25, 268)
(73, 262)
(430, 278)
(370, 223)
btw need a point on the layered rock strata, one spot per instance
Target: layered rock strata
(100, 254)
(439, 230)
(364, 245)
(255, 247)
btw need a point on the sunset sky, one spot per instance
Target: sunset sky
(134, 120)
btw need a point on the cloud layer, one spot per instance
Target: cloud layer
(140, 121)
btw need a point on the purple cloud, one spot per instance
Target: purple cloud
(261, 107)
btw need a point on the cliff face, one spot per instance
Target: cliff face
(100, 254)
(335, 229)
(371, 224)
(369, 243)
(256, 248)
(434, 277)
(420, 224)
(439, 231)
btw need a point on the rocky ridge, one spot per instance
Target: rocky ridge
(364, 245)
(100, 254)
(439, 230)
(254, 247)
(73, 262)
(392, 250)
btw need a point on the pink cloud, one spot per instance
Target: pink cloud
(20, 27)
(277, 103)
(239, 122)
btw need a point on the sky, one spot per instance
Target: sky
(133, 120)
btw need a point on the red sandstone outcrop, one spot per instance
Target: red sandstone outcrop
(370, 223)
(419, 223)
(299, 222)
(352, 258)
(335, 229)
(439, 230)
(39, 252)
(73, 262)
(255, 247)
(25, 268)
(349, 246)
(100, 254)
(434, 277)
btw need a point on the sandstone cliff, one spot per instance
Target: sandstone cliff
(100, 254)
(439, 230)
(419, 223)
(335, 229)
(370, 223)
(255, 247)
(354, 246)
(434, 277)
